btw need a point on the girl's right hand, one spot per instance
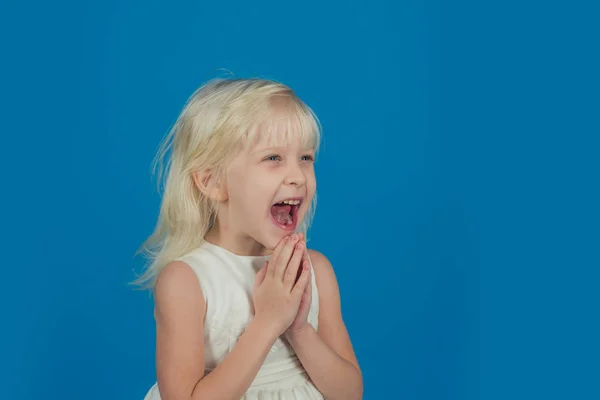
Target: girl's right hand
(277, 292)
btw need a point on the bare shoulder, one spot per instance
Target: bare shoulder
(176, 277)
(324, 275)
(320, 261)
(317, 256)
(177, 289)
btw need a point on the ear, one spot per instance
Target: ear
(210, 185)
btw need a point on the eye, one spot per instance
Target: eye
(273, 157)
(308, 157)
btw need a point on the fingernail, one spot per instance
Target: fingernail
(294, 236)
(299, 246)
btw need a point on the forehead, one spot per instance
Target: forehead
(285, 141)
(284, 124)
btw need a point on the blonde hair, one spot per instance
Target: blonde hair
(220, 119)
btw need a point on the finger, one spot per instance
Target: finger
(304, 258)
(308, 289)
(263, 272)
(302, 282)
(260, 275)
(292, 270)
(284, 257)
(275, 256)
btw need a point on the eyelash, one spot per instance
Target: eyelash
(310, 158)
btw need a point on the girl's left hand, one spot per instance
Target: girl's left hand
(301, 319)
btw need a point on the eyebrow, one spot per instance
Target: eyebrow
(270, 149)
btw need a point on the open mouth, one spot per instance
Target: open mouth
(285, 213)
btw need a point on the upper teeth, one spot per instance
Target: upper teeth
(292, 202)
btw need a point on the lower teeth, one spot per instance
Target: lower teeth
(287, 220)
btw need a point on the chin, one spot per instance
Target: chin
(273, 240)
(267, 239)
(276, 234)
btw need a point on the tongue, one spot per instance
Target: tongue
(281, 211)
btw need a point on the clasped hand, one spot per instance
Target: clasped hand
(282, 290)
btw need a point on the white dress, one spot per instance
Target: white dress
(227, 281)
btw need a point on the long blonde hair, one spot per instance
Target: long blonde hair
(221, 118)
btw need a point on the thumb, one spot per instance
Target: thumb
(260, 275)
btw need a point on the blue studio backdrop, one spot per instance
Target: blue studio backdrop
(458, 184)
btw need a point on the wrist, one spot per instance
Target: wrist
(293, 336)
(267, 330)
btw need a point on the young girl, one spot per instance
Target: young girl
(243, 309)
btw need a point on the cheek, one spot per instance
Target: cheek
(311, 184)
(311, 190)
(235, 189)
(251, 195)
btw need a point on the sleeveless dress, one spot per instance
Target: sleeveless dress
(227, 282)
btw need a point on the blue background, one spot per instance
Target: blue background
(459, 184)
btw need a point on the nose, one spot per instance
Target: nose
(295, 176)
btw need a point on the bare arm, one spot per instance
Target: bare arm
(180, 310)
(327, 355)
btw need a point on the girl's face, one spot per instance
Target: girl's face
(270, 189)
